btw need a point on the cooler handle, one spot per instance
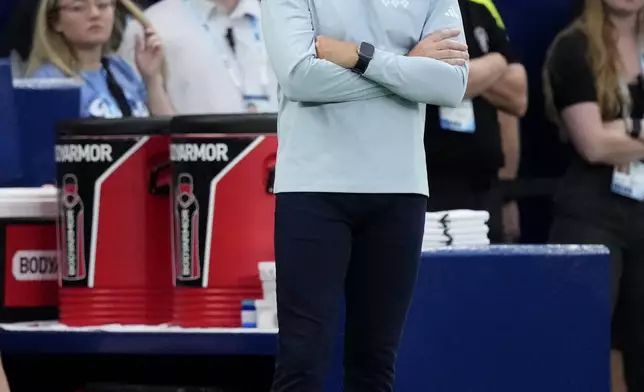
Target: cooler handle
(160, 180)
(269, 177)
(270, 183)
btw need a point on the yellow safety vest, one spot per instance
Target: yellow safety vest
(495, 13)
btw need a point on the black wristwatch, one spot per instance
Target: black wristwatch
(365, 54)
(636, 128)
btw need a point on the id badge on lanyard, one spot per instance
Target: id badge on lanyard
(458, 119)
(259, 103)
(628, 179)
(255, 101)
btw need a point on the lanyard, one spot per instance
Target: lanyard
(263, 70)
(230, 63)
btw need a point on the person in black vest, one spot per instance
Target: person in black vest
(464, 145)
(594, 85)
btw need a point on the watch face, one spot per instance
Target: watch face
(367, 50)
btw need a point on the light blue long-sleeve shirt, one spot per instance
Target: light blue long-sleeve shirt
(342, 132)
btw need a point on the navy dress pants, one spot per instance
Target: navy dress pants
(330, 247)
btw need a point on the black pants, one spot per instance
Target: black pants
(455, 191)
(627, 284)
(365, 247)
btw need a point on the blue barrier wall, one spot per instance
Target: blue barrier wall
(507, 319)
(10, 158)
(54, 101)
(28, 117)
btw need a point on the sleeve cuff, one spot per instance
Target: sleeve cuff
(375, 63)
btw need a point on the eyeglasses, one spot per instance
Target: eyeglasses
(84, 7)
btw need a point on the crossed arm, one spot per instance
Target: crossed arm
(498, 76)
(290, 42)
(510, 92)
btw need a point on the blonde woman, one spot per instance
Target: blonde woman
(72, 39)
(595, 92)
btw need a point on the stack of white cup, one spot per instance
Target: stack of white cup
(267, 308)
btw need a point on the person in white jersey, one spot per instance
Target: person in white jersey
(215, 53)
(351, 178)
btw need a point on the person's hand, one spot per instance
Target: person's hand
(344, 54)
(149, 55)
(511, 223)
(440, 46)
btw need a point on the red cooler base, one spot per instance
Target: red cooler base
(211, 308)
(90, 307)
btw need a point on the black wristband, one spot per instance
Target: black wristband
(365, 54)
(636, 128)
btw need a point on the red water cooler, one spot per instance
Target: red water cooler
(114, 223)
(29, 289)
(222, 170)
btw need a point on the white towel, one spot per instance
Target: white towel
(457, 227)
(458, 230)
(460, 243)
(442, 238)
(435, 232)
(467, 230)
(458, 216)
(435, 226)
(485, 241)
(468, 237)
(450, 236)
(461, 239)
(435, 245)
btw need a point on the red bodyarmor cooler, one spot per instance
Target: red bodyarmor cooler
(114, 223)
(28, 253)
(223, 171)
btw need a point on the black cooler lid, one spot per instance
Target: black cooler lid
(114, 127)
(225, 124)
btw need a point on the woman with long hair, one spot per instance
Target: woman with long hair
(75, 38)
(595, 92)
(18, 36)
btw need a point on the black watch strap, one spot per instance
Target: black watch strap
(636, 128)
(365, 54)
(361, 65)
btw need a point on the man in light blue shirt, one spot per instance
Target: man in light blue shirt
(351, 176)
